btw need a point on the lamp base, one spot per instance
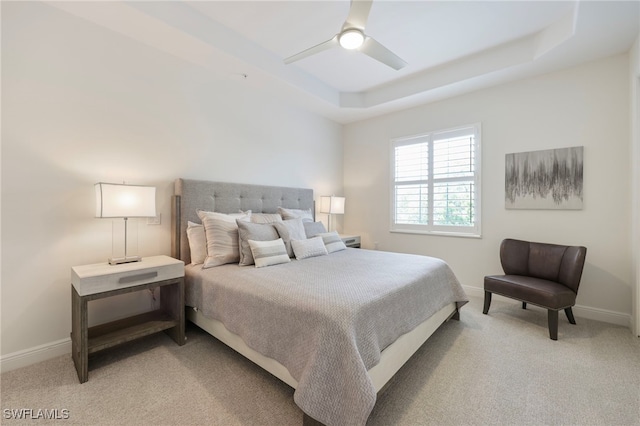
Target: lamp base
(126, 259)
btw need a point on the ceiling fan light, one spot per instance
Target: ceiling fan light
(351, 39)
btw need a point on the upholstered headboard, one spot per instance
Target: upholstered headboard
(223, 197)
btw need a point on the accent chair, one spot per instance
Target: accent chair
(545, 275)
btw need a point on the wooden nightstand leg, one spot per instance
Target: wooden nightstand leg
(79, 335)
(172, 302)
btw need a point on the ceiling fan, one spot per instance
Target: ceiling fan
(353, 37)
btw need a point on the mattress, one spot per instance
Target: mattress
(327, 318)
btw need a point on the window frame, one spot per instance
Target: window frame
(431, 229)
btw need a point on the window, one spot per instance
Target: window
(435, 187)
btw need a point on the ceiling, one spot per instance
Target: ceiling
(451, 47)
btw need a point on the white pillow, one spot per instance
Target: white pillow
(228, 217)
(221, 232)
(290, 229)
(267, 253)
(332, 241)
(265, 217)
(308, 248)
(305, 215)
(197, 242)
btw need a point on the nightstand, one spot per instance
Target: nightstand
(101, 280)
(351, 240)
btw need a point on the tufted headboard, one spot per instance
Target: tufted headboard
(223, 197)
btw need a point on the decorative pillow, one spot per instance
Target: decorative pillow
(229, 217)
(253, 231)
(305, 215)
(267, 253)
(308, 248)
(311, 229)
(332, 241)
(290, 229)
(197, 242)
(265, 217)
(222, 242)
(221, 232)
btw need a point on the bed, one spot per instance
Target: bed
(335, 327)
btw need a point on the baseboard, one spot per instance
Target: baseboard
(603, 315)
(47, 351)
(34, 355)
(581, 311)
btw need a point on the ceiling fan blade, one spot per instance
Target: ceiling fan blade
(380, 53)
(358, 14)
(313, 50)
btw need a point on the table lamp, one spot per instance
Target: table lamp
(124, 201)
(330, 204)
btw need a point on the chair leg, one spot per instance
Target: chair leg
(553, 324)
(570, 317)
(487, 302)
(524, 305)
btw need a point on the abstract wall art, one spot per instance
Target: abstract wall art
(549, 179)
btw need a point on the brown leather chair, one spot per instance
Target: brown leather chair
(546, 275)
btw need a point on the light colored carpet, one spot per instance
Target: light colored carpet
(500, 369)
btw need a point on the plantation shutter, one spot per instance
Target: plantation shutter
(435, 182)
(412, 191)
(453, 180)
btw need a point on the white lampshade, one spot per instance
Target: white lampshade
(331, 204)
(120, 200)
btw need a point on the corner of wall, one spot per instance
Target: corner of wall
(634, 76)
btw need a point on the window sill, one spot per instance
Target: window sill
(436, 233)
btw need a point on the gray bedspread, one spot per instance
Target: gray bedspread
(327, 318)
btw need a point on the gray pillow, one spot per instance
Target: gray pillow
(256, 232)
(291, 229)
(311, 229)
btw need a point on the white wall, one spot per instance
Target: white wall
(81, 104)
(634, 77)
(587, 106)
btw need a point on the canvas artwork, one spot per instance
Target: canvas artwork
(549, 179)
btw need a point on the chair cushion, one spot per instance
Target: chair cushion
(537, 291)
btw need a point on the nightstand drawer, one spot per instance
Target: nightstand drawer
(351, 240)
(96, 278)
